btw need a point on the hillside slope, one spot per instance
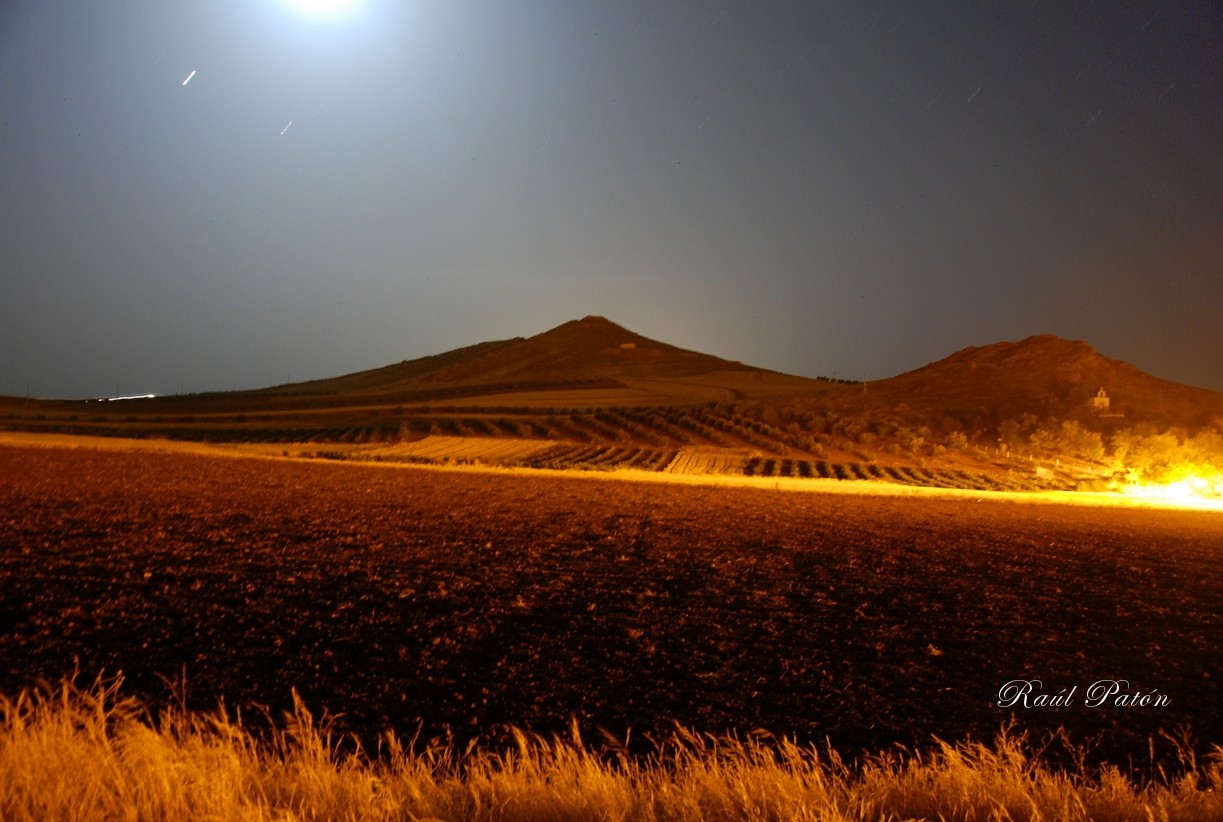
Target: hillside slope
(397, 376)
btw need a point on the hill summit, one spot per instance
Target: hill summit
(590, 348)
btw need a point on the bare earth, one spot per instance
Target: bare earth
(459, 601)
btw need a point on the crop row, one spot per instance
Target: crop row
(599, 457)
(903, 475)
(656, 427)
(663, 428)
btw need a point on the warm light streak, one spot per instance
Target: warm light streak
(1194, 490)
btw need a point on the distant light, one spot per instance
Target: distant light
(128, 397)
(323, 9)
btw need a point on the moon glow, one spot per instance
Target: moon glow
(322, 9)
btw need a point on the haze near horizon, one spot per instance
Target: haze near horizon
(204, 196)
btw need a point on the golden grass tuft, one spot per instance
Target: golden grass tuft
(92, 753)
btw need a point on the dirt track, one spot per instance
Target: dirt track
(460, 601)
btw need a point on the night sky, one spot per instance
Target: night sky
(233, 194)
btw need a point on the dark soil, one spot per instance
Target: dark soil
(454, 603)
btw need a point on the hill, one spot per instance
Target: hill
(592, 353)
(1042, 376)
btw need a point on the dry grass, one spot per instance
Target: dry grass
(92, 753)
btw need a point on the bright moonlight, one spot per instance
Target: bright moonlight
(322, 9)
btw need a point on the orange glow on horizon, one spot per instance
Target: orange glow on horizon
(1193, 490)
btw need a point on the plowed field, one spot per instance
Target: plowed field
(406, 598)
